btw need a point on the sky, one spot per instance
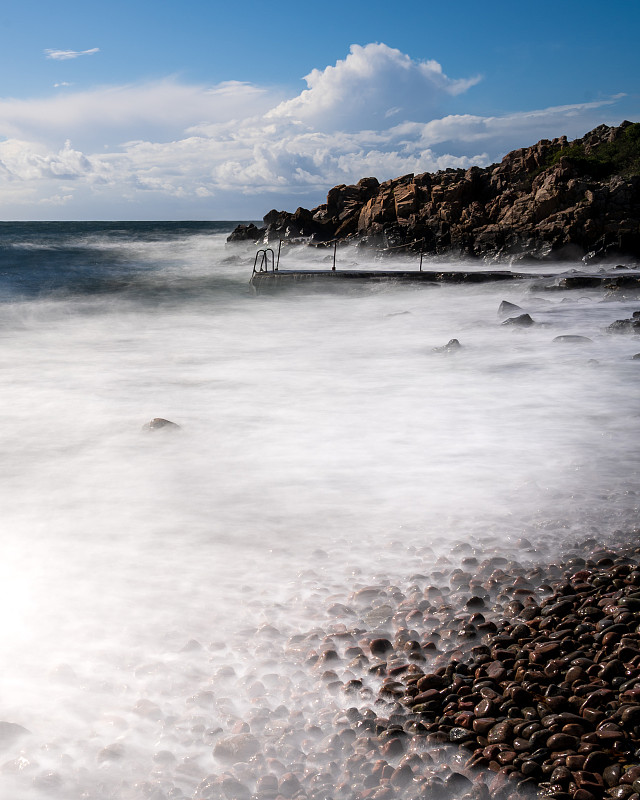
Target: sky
(203, 110)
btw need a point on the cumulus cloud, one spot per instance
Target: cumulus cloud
(371, 84)
(65, 55)
(28, 161)
(377, 112)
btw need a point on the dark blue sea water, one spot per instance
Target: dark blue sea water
(37, 258)
(152, 585)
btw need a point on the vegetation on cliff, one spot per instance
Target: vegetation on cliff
(620, 156)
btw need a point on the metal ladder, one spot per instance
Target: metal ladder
(265, 260)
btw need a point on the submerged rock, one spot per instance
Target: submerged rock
(572, 338)
(112, 752)
(450, 347)
(506, 308)
(158, 423)
(10, 732)
(521, 321)
(625, 326)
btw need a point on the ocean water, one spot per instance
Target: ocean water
(150, 580)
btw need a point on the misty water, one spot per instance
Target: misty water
(150, 580)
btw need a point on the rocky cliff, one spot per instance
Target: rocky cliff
(554, 199)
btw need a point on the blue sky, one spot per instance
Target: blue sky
(202, 110)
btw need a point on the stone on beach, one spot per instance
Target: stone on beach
(239, 747)
(539, 691)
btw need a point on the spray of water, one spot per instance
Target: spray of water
(157, 588)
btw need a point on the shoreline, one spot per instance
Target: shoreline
(498, 678)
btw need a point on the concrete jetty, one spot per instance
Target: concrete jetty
(281, 278)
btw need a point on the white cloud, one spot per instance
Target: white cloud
(169, 143)
(56, 200)
(65, 55)
(156, 110)
(28, 161)
(525, 126)
(372, 83)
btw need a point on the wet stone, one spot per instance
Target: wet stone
(483, 725)
(379, 647)
(239, 747)
(558, 742)
(457, 782)
(500, 733)
(496, 670)
(402, 776)
(288, 785)
(112, 752)
(379, 616)
(559, 609)
(234, 790)
(394, 747)
(459, 735)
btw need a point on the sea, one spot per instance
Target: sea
(152, 579)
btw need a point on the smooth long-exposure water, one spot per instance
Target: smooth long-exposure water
(150, 580)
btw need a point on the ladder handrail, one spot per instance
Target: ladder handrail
(263, 266)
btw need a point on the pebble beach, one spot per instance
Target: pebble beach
(496, 678)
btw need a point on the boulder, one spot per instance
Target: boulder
(244, 233)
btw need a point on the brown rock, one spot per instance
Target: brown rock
(379, 647)
(558, 742)
(500, 733)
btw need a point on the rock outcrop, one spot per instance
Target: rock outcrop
(552, 199)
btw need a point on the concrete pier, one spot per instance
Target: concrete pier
(280, 278)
